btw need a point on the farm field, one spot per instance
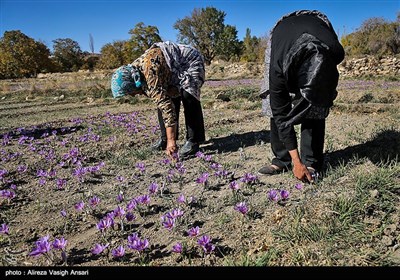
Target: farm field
(79, 185)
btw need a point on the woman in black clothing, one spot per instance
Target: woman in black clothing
(299, 86)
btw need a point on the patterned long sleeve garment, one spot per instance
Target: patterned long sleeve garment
(157, 76)
(169, 68)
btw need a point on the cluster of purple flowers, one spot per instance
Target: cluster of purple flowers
(169, 219)
(43, 245)
(275, 195)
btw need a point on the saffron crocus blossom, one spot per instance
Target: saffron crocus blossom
(168, 222)
(99, 248)
(241, 207)
(199, 154)
(234, 186)
(119, 211)
(42, 247)
(105, 223)
(273, 195)
(175, 213)
(202, 179)
(63, 213)
(249, 178)
(59, 244)
(131, 205)
(120, 178)
(298, 186)
(94, 201)
(135, 243)
(141, 167)
(194, 231)
(120, 197)
(205, 243)
(285, 194)
(79, 206)
(118, 252)
(177, 248)
(153, 188)
(7, 194)
(181, 199)
(61, 183)
(4, 229)
(130, 217)
(144, 199)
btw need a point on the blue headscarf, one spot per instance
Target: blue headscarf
(125, 80)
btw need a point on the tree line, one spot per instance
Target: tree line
(205, 29)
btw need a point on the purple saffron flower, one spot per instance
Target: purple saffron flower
(120, 179)
(284, 194)
(42, 181)
(130, 217)
(4, 229)
(298, 186)
(208, 248)
(205, 239)
(141, 167)
(241, 207)
(22, 168)
(273, 195)
(177, 248)
(98, 249)
(7, 194)
(61, 183)
(181, 199)
(94, 201)
(205, 243)
(144, 199)
(234, 186)
(42, 246)
(119, 211)
(137, 244)
(105, 223)
(131, 205)
(202, 179)
(118, 252)
(208, 157)
(59, 244)
(249, 178)
(194, 231)
(79, 206)
(167, 222)
(63, 213)
(153, 188)
(175, 213)
(199, 154)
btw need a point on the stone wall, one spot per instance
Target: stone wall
(370, 66)
(352, 68)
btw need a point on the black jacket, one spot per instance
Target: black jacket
(305, 52)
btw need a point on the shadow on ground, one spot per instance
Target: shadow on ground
(235, 141)
(383, 148)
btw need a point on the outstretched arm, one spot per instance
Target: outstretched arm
(300, 171)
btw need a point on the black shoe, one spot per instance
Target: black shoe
(270, 170)
(188, 149)
(159, 145)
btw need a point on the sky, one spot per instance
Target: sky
(106, 21)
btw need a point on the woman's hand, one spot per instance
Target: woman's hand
(301, 172)
(171, 149)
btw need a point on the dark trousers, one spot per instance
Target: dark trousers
(311, 145)
(194, 120)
